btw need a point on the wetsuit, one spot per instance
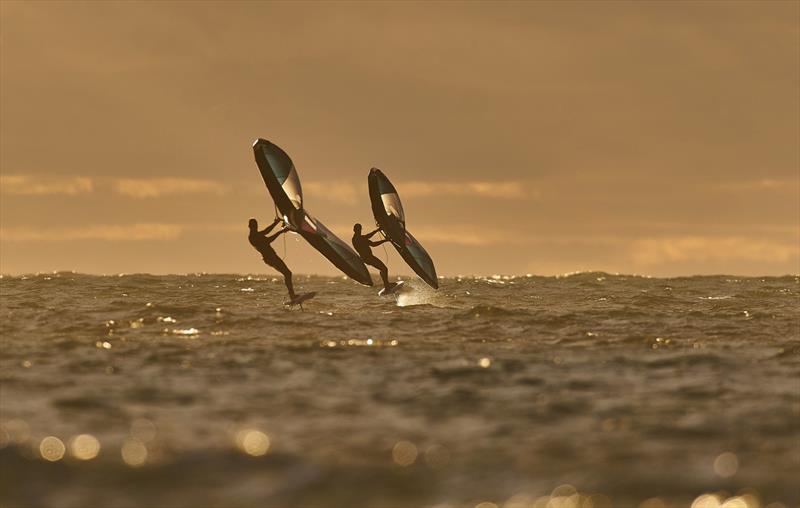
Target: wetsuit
(262, 244)
(363, 246)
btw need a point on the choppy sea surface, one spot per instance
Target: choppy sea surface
(584, 391)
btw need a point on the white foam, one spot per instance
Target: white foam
(416, 292)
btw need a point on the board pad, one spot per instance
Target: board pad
(394, 288)
(299, 299)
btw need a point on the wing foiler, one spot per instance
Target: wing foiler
(388, 212)
(283, 184)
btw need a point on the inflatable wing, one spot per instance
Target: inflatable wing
(388, 212)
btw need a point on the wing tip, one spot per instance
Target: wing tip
(260, 141)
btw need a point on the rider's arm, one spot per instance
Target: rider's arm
(270, 227)
(276, 235)
(369, 235)
(375, 244)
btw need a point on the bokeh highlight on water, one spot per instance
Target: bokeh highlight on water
(584, 391)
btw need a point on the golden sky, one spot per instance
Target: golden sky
(657, 138)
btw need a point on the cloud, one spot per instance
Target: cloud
(653, 251)
(27, 185)
(508, 189)
(472, 237)
(337, 191)
(434, 235)
(134, 232)
(458, 235)
(341, 192)
(763, 185)
(143, 188)
(348, 193)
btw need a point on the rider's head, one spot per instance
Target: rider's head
(252, 224)
(357, 228)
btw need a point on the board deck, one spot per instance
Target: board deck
(397, 286)
(299, 299)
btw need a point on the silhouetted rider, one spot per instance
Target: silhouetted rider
(363, 246)
(261, 242)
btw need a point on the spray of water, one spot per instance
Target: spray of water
(416, 292)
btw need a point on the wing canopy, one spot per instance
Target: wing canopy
(331, 246)
(388, 195)
(280, 176)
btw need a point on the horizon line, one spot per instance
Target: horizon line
(496, 276)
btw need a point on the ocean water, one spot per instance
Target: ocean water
(584, 391)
